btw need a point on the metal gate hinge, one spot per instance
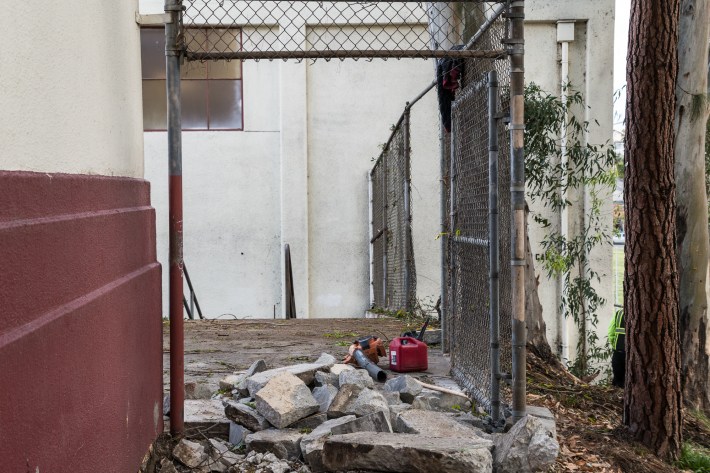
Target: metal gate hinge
(155, 19)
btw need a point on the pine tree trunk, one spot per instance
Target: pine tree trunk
(691, 199)
(653, 400)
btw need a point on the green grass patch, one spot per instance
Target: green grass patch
(340, 334)
(694, 458)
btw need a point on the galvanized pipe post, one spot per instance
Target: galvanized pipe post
(517, 199)
(385, 205)
(444, 239)
(407, 216)
(173, 51)
(452, 243)
(493, 244)
(371, 235)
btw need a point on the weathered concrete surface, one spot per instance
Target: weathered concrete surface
(438, 401)
(284, 443)
(529, 446)
(221, 455)
(285, 399)
(246, 416)
(377, 422)
(190, 454)
(325, 395)
(205, 417)
(358, 377)
(238, 433)
(323, 378)
(406, 453)
(435, 424)
(407, 387)
(352, 399)
(338, 368)
(310, 422)
(304, 371)
(312, 444)
(198, 391)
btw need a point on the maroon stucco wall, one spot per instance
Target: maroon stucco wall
(80, 323)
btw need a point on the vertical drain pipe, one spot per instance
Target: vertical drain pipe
(493, 244)
(173, 52)
(517, 200)
(565, 34)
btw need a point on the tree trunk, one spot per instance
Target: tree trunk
(691, 199)
(652, 400)
(537, 331)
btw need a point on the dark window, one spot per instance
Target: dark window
(211, 91)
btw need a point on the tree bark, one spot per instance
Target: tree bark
(691, 199)
(652, 400)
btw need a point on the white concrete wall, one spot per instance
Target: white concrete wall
(591, 72)
(70, 90)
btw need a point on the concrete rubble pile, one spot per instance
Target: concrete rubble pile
(330, 417)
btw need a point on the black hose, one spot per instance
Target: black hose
(375, 372)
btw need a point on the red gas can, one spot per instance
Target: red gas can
(408, 354)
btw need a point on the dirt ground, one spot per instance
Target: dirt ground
(215, 348)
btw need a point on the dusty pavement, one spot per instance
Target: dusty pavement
(215, 348)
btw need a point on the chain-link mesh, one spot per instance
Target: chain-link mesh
(469, 301)
(256, 29)
(394, 273)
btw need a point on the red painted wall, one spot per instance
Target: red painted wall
(80, 323)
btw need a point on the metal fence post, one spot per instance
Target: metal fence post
(173, 52)
(517, 200)
(493, 243)
(407, 216)
(452, 243)
(371, 235)
(444, 239)
(385, 226)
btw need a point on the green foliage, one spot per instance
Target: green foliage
(694, 458)
(550, 177)
(341, 334)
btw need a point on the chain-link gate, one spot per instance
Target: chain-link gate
(485, 36)
(393, 274)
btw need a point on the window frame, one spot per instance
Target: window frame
(207, 80)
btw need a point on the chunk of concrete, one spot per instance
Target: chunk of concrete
(310, 422)
(377, 422)
(325, 395)
(435, 424)
(352, 399)
(391, 397)
(432, 336)
(312, 444)
(304, 371)
(284, 444)
(340, 367)
(323, 379)
(190, 454)
(244, 415)
(407, 387)
(166, 466)
(197, 391)
(405, 453)
(437, 401)
(205, 418)
(284, 400)
(527, 447)
(237, 433)
(230, 381)
(358, 377)
(545, 416)
(221, 455)
(396, 410)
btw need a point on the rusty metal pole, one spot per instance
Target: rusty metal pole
(173, 52)
(517, 199)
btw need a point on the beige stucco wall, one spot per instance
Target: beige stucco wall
(70, 90)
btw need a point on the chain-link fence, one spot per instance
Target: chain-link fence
(254, 29)
(393, 274)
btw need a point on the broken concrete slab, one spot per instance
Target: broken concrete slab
(245, 415)
(237, 433)
(310, 422)
(324, 395)
(285, 399)
(205, 417)
(437, 401)
(405, 453)
(304, 371)
(230, 381)
(391, 397)
(312, 444)
(190, 454)
(528, 446)
(545, 416)
(435, 424)
(377, 422)
(221, 455)
(166, 466)
(322, 379)
(340, 367)
(396, 410)
(407, 387)
(284, 443)
(358, 377)
(352, 399)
